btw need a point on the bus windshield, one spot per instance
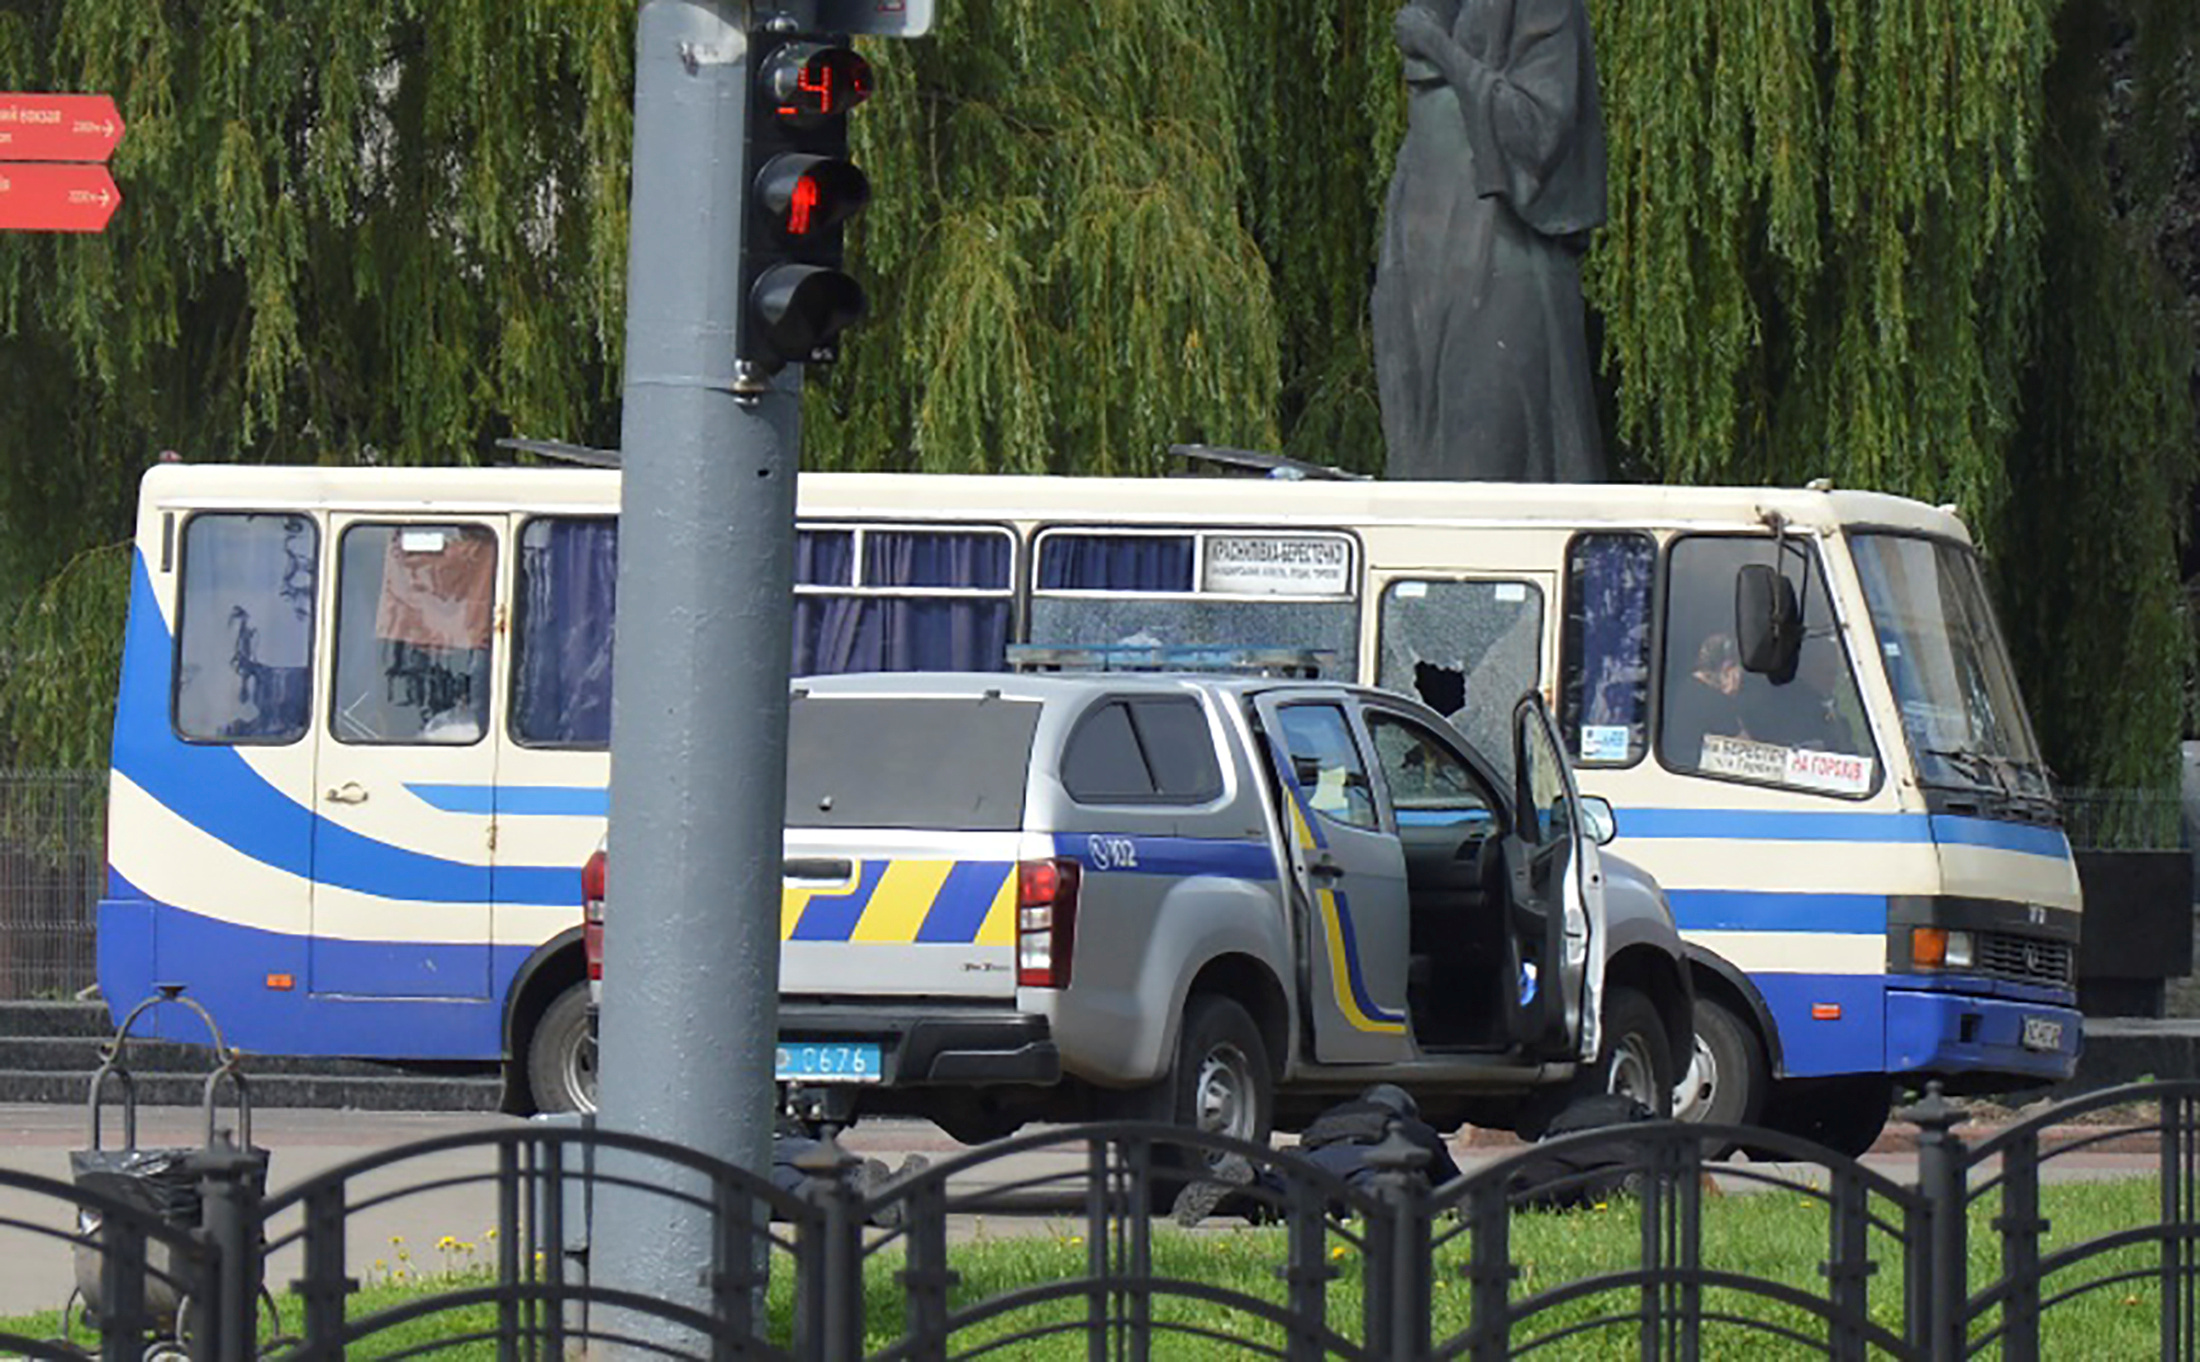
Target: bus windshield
(1949, 670)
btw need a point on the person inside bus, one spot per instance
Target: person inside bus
(1707, 702)
(1817, 709)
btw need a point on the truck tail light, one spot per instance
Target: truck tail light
(1046, 922)
(592, 883)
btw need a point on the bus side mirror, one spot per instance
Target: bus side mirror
(1768, 621)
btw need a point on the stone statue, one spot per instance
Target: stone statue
(1481, 339)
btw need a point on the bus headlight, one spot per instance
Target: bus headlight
(1939, 948)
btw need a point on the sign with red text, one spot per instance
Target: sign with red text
(35, 127)
(56, 198)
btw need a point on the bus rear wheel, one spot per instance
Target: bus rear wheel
(561, 1056)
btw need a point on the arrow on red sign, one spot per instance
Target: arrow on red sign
(36, 127)
(56, 198)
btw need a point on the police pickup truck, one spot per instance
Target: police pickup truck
(1219, 901)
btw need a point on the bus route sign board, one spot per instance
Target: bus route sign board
(38, 127)
(56, 198)
(878, 18)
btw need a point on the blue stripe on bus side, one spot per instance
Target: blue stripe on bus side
(1748, 910)
(1853, 1042)
(216, 791)
(1800, 825)
(517, 801)
(228, 965)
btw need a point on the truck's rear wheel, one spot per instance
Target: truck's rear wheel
(1222, 1082)
(561, 1056)
(1636, 1060)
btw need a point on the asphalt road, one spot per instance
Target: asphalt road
(438, 1197)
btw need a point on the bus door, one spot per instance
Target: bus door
(403, 838)
(554, 771)
(1466, 646)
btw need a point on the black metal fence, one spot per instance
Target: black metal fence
(53, 862)
(1951, 1258)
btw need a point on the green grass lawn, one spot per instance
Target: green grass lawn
(1776, 1235)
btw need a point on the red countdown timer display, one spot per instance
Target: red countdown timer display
(813, 83)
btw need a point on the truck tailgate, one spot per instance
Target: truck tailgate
(899, 913)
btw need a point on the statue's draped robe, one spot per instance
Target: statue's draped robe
(1481, 346)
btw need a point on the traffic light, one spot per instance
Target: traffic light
(796, 298)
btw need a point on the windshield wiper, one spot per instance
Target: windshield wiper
(1975, 767)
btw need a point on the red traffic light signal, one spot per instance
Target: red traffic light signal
(802, 191)
(808, 195)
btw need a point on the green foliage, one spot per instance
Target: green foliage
(1057, 269)
(2104, 461)
(382, 229)
(66, 629)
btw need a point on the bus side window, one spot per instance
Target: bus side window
(1466, 650)
(244, 665)
(1604, 648)
(902, 598)
(414, 609)
(561, 653)
(1805, 731)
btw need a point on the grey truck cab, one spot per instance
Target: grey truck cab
(1221, 901)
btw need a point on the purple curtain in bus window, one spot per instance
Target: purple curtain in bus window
(1115, 562)
(1615, 635)
(569, 571)
(894, 633)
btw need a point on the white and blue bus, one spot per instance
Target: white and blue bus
(361, 747)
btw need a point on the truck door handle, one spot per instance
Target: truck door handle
(1325, 869)
(350, 792)
(820, 869)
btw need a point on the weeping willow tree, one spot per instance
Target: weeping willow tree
(1876, 240)
(380, 230)
(1058, 273)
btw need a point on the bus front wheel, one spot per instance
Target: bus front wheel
(561, 1056)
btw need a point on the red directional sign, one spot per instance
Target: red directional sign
(37, 127)
(56, 198)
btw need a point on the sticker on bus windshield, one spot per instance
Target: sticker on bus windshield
(1278, 565)
(1832, 772)
(1604, 742)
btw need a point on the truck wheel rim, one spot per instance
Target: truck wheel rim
(1693, 1097)
(1631, 1073)
(1222, 1102)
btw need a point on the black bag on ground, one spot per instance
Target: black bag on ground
(1574, 1178)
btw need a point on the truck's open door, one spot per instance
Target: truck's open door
(1351, 881)
(1556, 913)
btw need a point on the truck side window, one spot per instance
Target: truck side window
(1142, 751)
(244, 628)
(1806, 731)
(1326, 765)
(1604, 649)
(1429, 785)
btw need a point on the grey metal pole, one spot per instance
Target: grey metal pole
(706, 534)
